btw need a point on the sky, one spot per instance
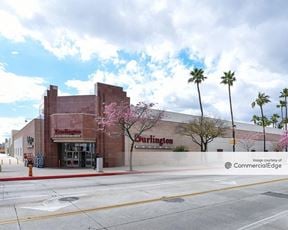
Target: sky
(146, 47)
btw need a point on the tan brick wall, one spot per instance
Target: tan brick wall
(32, 129)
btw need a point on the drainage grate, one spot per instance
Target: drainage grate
(173, 200)
(69, 199)
(276, 194)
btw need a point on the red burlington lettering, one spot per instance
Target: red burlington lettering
(153, 139)
(67, 132)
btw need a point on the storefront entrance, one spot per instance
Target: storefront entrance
(77, 155)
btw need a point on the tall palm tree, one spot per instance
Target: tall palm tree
(255, 119)
(284, 94)
(197, 78)
(228, 79)
(261, 100)
(281, 105)
(274, 119)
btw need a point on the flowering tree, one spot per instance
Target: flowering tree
(133, 120)
(283, 142)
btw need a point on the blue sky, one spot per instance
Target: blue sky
(146, 47)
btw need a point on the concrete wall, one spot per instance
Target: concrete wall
(166, 128)
(175, 158)
(18, 148)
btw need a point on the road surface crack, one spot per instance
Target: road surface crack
(18, 222)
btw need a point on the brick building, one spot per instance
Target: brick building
(70, 137)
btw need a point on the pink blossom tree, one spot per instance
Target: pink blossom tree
(132, 120)
(283, 142)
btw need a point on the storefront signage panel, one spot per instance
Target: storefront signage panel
(67, 133)
(157, 142)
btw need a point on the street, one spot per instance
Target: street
(146, 201)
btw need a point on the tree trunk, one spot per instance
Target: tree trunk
(205, 147)
(263, 125)
(130, 157)
(285, 113)
(286, 118)
(282, 115)
(202, 115)
(232, 119)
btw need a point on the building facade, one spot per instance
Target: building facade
(72, 137)
(156, 146)
(28, 142)
(69, 135)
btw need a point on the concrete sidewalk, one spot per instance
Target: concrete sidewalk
(12, 170)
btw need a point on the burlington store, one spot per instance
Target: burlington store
(72, 137)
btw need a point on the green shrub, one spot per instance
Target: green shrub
(180, 148)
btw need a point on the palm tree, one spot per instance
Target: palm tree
(255, 119)
(198, 77)
(284, 94)
(281, 105)
(261, 100)
(228, 79)
(274, 119)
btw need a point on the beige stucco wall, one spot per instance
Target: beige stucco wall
(167, 129)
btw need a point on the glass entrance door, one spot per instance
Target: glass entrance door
(78, 155)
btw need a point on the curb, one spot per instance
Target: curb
(66, 176)
(86, 175)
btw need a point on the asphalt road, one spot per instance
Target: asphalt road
(146, 201)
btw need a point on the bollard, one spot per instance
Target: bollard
(99, 164)
(9, 161)
(30, 170)
(17, 162)
(0, 168)
(1, 162)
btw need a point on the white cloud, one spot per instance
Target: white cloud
(161, 28)
(245, 37)
(14, 52)
(7, 124)
(11, 29)
(19, 88)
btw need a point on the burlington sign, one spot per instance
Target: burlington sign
(153, 140)
(67, 132)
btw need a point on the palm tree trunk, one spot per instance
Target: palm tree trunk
(200, 102)
(263, 125)
(202, 115)
(232, 118)
(282, 115)
(286, 114)
(286, 118)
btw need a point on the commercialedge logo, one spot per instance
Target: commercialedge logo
(267, 165)
(228, 165)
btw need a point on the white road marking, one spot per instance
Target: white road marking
(226, 182)
(49, 205)
(264, 221)
(53, 204)
(23, 197)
